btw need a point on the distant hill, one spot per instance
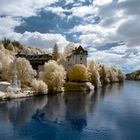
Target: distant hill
(133, 76)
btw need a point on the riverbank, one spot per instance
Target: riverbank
(7, 95)
(74, 86)
(13, 95)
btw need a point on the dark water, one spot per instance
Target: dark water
(111, 113)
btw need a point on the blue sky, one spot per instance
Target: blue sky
(108, 29)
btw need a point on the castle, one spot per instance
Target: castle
(78, 56)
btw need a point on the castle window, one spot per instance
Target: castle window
(81, 58)
(68, 60)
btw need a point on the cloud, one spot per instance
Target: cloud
(82, 11)
(45, 41)
(35, 39)
(94, 35)
(58, 11)
(109, 58)
(78, 11)
(101, 2)
(89, 28)
(12, 14)
(7, 25)
(129, 32)
(130, 7)
(24, 8)
(125, 22)
(119, 49)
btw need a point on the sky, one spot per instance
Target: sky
(108, 29)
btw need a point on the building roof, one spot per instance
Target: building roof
(78, 51)
(34, 56)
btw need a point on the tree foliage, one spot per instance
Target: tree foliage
(25, 72)
(5, 60)
(68, 49)
(53, 75)
(78, 73)
(94, 76)
(55, 53)
(39, 86)
(103, 74)
(121, 76)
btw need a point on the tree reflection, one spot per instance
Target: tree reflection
(76, 110)
(54, 109)
(110, 89)
(72, 109)
(20, 111)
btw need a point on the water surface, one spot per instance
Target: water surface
(110, 113)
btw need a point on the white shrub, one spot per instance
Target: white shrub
(39, 86)
(53, 75)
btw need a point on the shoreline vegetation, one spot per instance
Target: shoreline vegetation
(53, 78)
(133, 76)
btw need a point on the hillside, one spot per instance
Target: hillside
(14, 47)
(133, 76)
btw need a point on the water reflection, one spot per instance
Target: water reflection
(110, 89)
(70, 109)
(76, 110)
(54, 109)
(72, 106)
(20, 111)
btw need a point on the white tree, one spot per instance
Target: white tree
(54, 76)
(25, 72)
(62, 61)
(1, 46)
(104, 74)
(0, 70)
(120, 76)
(94, 76)
(5, 60)
(10, 47)
(68, 49)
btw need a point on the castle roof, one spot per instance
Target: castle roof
(78, 51)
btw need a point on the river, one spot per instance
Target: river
(110, 113)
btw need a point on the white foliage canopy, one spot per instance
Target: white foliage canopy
(53, 75)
